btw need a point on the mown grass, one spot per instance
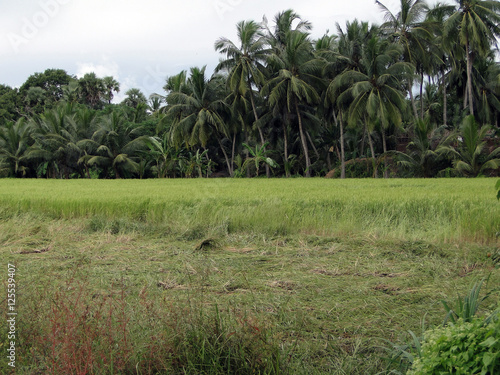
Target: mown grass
(107, 288)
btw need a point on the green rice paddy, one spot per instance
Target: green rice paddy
(445, 209)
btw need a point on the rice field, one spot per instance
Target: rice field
(438, 209)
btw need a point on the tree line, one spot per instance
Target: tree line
(418, 96)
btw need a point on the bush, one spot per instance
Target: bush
(410, 357)
(461, 348)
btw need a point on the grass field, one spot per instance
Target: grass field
(446, 209)
(305, 276)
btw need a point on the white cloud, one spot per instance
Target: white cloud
(105, 68)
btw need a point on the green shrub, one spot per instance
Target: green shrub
(404, 356)
(462, 348)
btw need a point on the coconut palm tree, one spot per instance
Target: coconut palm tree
(200, 114)
(15, 141)
(444, 52)
(471, 159)
(284, 24)
(423, 154)
(477, 25)
(113, 146)
(177, 83)
(297, 72)
(344, 56)
(244, 66)
(486, 74)
(56, 135)
(244, 63)
(375, 93)
(159, 152)
(155, 104)
(408, 29)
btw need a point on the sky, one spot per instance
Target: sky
(140, 43)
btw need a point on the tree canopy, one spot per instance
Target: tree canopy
(391, 98)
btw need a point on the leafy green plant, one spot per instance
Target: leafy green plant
(402, 356)
(470, 157)
(259, 156)
(467, 307)
(405, 357)
(464, 347)
(422, 158)
(200, 162)
(289, 164)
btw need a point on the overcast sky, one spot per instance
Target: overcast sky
(140, 43)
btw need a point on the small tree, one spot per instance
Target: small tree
(259, 156)
(471, 160)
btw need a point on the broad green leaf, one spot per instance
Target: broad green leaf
(489, 342)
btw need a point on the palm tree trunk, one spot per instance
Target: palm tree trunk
(466, 97)
(303, 140)
(246, 152)
(374, 162)
(268, 172)
(226, 157)
(362, 150)
(285, 140)
(421, 95)
(412, 99)
(386, 171)
(342, 152)
(469, 77)
(445, 102)
(312, 144)
(232, 155)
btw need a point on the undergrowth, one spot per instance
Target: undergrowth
(71, 329)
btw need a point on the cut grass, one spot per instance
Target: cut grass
(191, 295)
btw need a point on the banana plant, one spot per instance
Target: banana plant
(258, 156)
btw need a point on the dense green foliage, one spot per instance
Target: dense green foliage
(396, 94)
(460, 348)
